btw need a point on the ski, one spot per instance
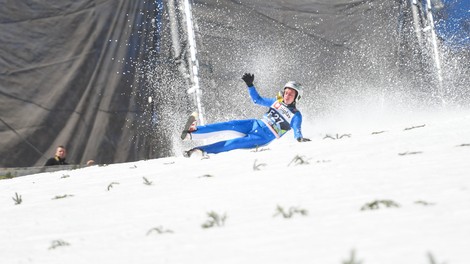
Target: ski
(191, 119)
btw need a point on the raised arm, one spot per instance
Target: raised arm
(255, 97)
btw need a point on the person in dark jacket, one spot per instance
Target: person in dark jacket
(59, 158)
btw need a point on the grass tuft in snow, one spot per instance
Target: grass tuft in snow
(159, 230)
(258, 149)
(257, 167)
(424, 203)
(206, 176)
(413, 127)
(214, 220)
(378, 132)
(431, 258)
(58, 243)
(337, 136)
(62, 196)
(289, 213)
(352, 259)
(299, 160)
(409, 153)
(146, 182)
(464, 145)
(17, 199)
(111, 185)
(376, 205)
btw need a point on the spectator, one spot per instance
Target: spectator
(59, 158)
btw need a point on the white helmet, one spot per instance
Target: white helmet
(297, 87)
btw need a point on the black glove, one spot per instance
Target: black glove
(302, 139)
(248, 78)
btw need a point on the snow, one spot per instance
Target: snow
(109, 214)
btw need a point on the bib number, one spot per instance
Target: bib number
(279, 117)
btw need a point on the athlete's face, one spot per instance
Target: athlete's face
(289, 95)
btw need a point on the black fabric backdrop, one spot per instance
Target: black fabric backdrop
(79, 72)
(62, 80)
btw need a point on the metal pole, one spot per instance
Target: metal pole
(415, 9)
(194, 65)
(437, 59)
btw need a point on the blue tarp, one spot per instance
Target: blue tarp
(453, 23)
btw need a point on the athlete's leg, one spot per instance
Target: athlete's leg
(234, 128)
(259, 136)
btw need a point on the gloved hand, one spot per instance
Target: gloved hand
(248, 78)
(302, 139)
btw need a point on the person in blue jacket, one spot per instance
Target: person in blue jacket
(251, 133)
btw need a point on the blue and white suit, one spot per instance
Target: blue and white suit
(253, 133)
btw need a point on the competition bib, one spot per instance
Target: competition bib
(278, 118)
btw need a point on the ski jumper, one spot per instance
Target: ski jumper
(253, 133)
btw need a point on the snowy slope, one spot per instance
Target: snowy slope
(417, 171)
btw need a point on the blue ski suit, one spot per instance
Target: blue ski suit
(253, 133)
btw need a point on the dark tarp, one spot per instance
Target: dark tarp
(79, 72)
(65, 78)
(325, 45)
